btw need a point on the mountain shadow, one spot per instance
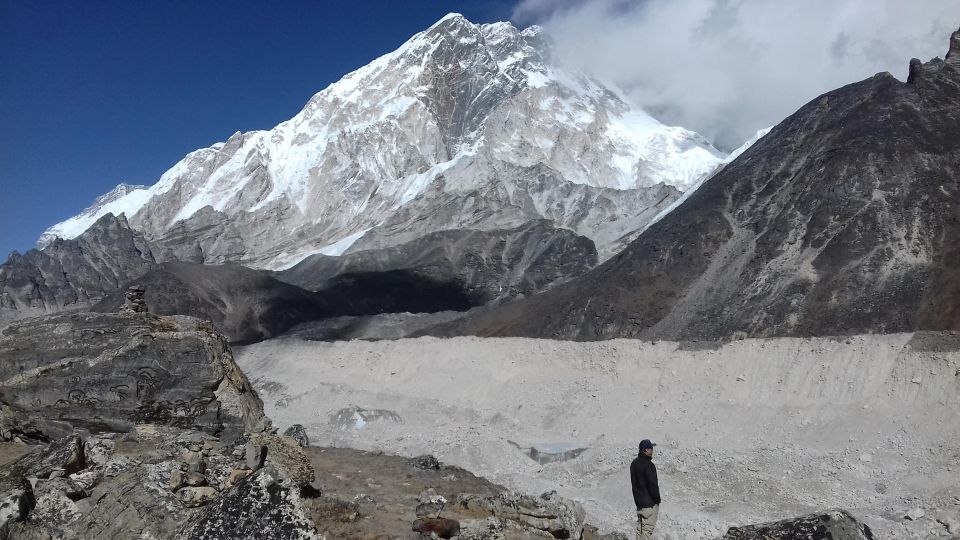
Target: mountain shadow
(250, 305)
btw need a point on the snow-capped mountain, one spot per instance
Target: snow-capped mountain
(463, 127)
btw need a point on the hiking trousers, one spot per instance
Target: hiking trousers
(646, 521)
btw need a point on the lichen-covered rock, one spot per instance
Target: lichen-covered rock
(55, 509)
(427, 462)
(192, 497)
(16, 501)
(262, 505)
(549, 513)
(835, 524)
(107, 372)
(287, 456)
(299, 434)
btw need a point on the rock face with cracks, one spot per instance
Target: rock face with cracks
(150, 436)
(109, 372)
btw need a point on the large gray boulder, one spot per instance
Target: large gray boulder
(108, 372)
(549, 513)
(834, 524)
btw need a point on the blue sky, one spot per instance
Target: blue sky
(96, 93)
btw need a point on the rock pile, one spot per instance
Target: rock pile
(134, 301)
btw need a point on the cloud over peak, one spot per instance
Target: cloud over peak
(727, 68)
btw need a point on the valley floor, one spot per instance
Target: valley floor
(748, 431)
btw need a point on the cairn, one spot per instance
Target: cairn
(134, 303)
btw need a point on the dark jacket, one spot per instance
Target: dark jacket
(643, 478)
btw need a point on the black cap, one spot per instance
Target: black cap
(644, 444)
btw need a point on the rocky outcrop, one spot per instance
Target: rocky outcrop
(842, 220)
(143, 423)
(110, 372)
(835, 524)
(148, 483)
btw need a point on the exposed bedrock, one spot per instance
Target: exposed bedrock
(108, 372)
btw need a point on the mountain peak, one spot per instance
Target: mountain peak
(451, 20)
(124, 198)
(458, 108)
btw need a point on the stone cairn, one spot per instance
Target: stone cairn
(134, 302)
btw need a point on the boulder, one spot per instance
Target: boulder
(441, 527)
(55, 508)
(548, 513)
(287, 456)
(427, 462)
(834, 524)
(431, 503)
(256, 455)
(235, 476)
(299, 434)
(60, 458)
(16, 501)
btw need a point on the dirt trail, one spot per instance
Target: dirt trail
(749, 431)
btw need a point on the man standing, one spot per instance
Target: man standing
(646, 490)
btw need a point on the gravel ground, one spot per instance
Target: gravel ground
(748, 431)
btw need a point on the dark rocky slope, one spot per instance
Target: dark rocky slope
(485, 265)
(72, 274)
(446, 270)
(844, 219)
(247, 305)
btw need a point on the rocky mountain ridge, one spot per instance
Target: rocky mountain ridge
(843, 219)
(443, 271)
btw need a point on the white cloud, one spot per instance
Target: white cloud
(727, 68)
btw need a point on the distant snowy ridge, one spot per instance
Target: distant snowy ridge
(122, 199)
(463, 126)
(727, 160)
